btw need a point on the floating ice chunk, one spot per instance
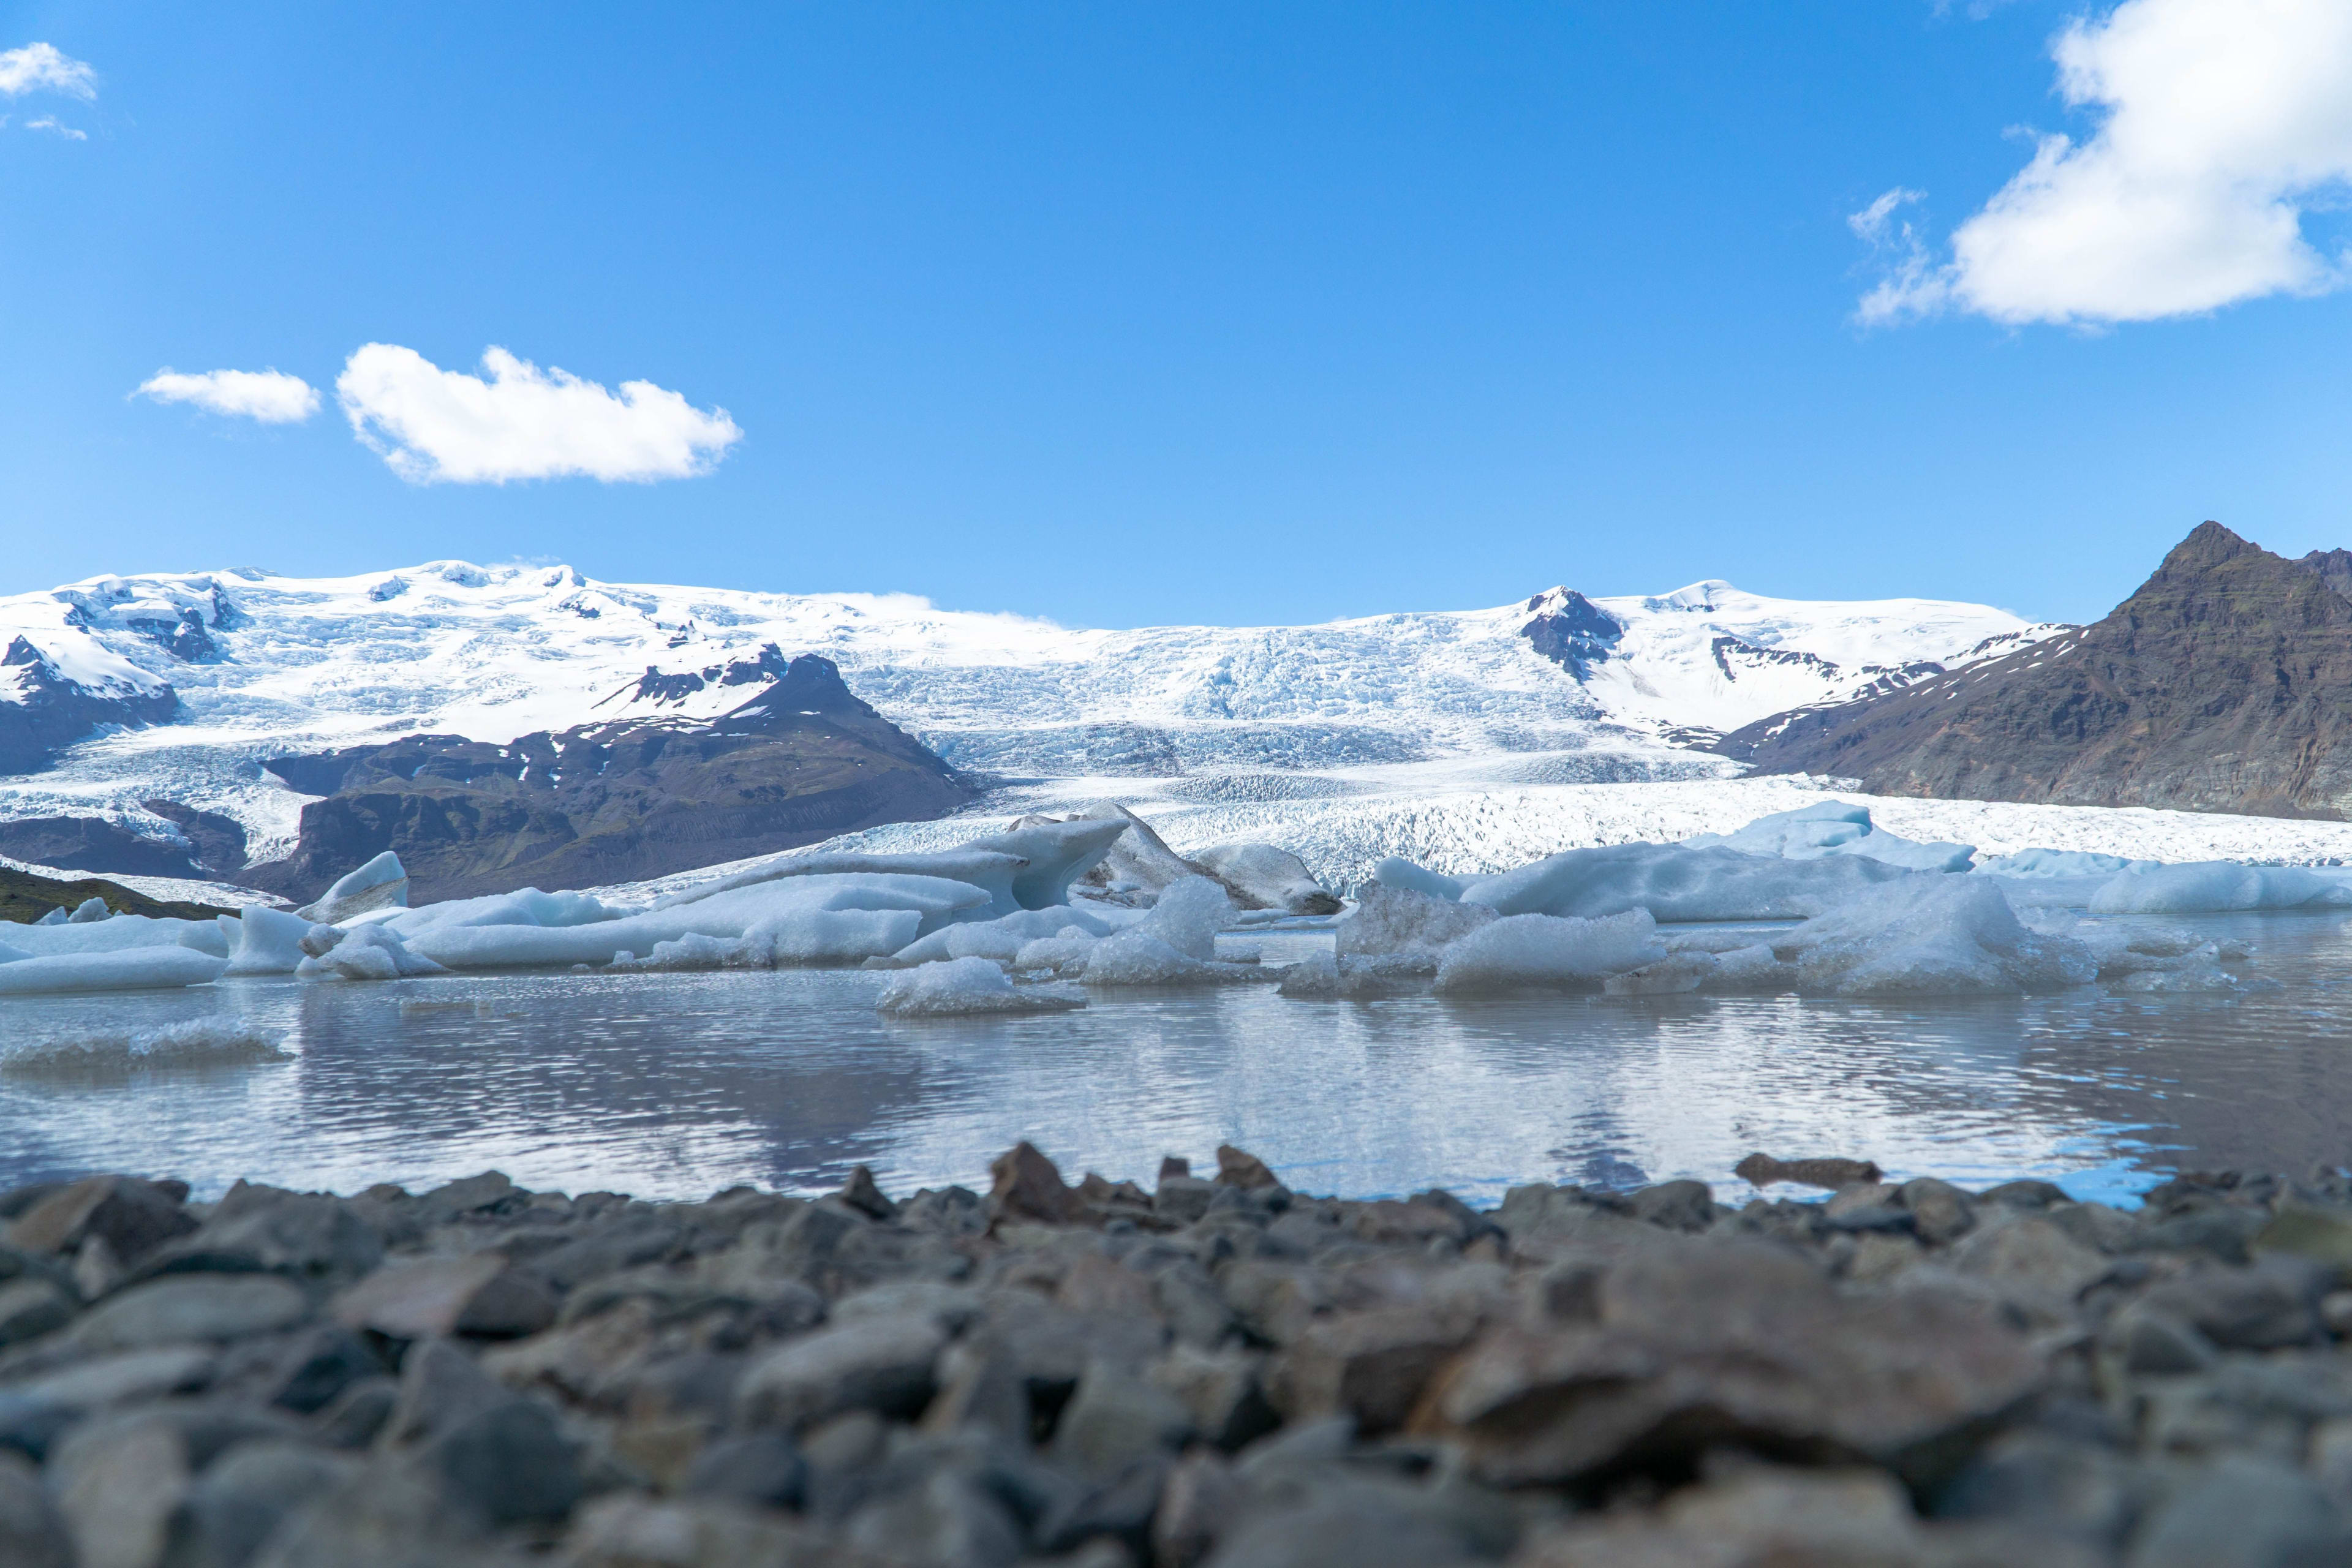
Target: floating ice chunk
(523, 907)
(1932, 936)
(1406, 922)
(381, 884)
(2214, 886)
(988, 869)
(56, 917)
(934, 901)
(1000, 939)
(1521, 951)
(367, 952)
(1396, 871)
(1674, 882)
(1756, 968)
(963, 985)
(11, 954)
(191, 1044)
(1672, 975)
(695, 951)
(1058, 854)
(206, 936)
(1271, 877)
(1188, 916)
(1139, 858)
(268, 942)
(833, 936)
(1836, 827)
(1142, 956)
(2059, 863)
(88, 910)
(130, 969)
(115, 935)
(1065, 953)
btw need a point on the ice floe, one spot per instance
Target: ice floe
(127, 969)
(1521, 951)
(957, 986)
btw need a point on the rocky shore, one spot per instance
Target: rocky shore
(1214, 1371)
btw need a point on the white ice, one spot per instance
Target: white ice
(268, 942)
(1521, 951)
(1274, 879)
(132, 969)
(1058, 854)
(1000, 939)
(1931, 936)
(1668, 880)
(381, 884)
(2215, 886)
(367, 952)
(1407, 924)
(965, 985)
(1836, 827)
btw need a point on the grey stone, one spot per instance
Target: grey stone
(631, 1532)
(258, 1230)
(132, 1218)
(507, 1464)
(479, 1294)
(1676, 1205)
(117, 1485)
(2053, 1485)
(111, 1379)
(626, 1244)
(440, 1386)
(882, 1363)
(1183, 1198)
(182, 1309)
(1113, 1420)
(2273, 1304)
(238, 1501)
(760, 1468)
(31, 1534)
(1198, 1499)
(317, 1366)
(1219, 1391)
(1371, 1365)
(946, 1522)
(1341, 1525)
(491, 1191)
(1940, 1213)
(32, 1307)
(2242, 1513)
(358, 1415)
(2033, 1263)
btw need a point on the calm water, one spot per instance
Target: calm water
(679, 1085)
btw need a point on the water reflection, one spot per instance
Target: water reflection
(679, 1085)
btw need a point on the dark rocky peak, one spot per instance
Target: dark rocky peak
(1570, 631)
(21, 652)
(659, 686)
(2333, 567)
(2208, 545)
(186, 639)
(1730, 650)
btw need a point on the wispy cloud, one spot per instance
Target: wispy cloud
(49, 123)
(519, 421)
(38, 66)
(2223, 122)
(271, 396)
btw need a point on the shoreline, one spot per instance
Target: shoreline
(1213, 1370)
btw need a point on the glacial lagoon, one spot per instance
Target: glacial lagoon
(679, 1085)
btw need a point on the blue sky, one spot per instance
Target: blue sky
(1127, 314)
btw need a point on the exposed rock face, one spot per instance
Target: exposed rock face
(799, 762)
(46, 712)
(25, 897)
(2219, 685)
(1571, 631)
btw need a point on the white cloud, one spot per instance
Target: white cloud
(271, 396)
(37, 66)
(2223, 122)
(49, 123)
(522, 423)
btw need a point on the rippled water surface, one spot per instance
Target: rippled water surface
(679, 1085)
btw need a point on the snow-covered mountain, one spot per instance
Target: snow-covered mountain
(249, 664)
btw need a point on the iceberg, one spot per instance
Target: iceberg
(2036, 863)
(988, 869)
(1274, 879)
(268, 942)
(2215, 887)
(1407, 924)
(1140, 957)
(958, 986)
(1521, 951)
(1188, 916)
(381, 884)
(1836, 827)
(1672, 881)
(367, 952)
(1000, 939)
(120, 935)
(1058, 854)
(131, 969)
(88, 912)
(933, 901)
(1931, 936)
(1138, 859)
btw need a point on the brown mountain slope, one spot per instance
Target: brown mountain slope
(798, 761)
(2224, 684)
